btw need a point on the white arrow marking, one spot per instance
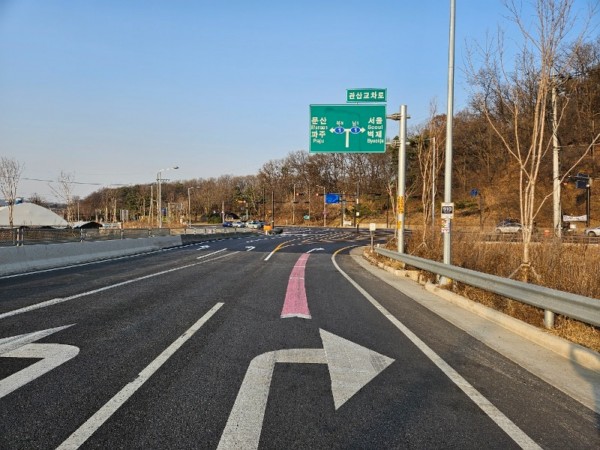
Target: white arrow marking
(351, 367)
(320, 249)
(203, 247)
(249, 248)
(21, 346)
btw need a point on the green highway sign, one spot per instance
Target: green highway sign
(347, 128)
(366, 95)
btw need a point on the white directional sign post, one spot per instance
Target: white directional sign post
(351, 367)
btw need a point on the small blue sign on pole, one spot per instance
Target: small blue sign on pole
(332, 198)
(474, 192)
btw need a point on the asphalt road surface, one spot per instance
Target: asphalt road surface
(257, 342)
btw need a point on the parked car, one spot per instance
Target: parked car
(592, 232)
(239, 224)
(256, 224)
(227, 224)
(509, 226)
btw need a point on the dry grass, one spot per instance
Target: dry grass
(570, 268)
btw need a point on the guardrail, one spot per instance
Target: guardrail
(584, 309)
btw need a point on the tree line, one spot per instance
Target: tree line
(518, 112)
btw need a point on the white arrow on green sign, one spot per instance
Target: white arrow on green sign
(347, 128)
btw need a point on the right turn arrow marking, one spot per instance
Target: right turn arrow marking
(351, 367)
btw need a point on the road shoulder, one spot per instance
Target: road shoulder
(564, 365)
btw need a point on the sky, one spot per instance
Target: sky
(113, 91)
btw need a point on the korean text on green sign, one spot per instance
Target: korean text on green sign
(347, 128)
(366, 95)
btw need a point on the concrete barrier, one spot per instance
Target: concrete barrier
(29, 258)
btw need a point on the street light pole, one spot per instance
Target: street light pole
(159, 193)
(324, 206)
(449, 117)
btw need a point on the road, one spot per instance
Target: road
(257, 342)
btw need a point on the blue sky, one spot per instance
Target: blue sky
(111, 91)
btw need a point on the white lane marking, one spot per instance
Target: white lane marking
(210, 254)
(320, 249)
(249, 248)
(351, 367)
(512, 430)
(83, 433)
(22, 346)
(56, 301)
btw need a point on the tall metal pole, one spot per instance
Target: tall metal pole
(433, 180)
(158, 200)
(401, 178)
(356, 213)
(151, 204)
(159, 194)
(273, 209)
(449, 117)
(401, 192)
(293, 206)
(557, 222)
(189, 204)
(324, 208)
(309, 215)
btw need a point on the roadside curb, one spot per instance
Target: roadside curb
(576, 353)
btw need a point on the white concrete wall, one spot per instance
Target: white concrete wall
(46, 256)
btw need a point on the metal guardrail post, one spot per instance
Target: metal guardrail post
(548, 319)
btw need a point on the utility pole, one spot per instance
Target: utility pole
(433, 180)
(324, 208)
(159, 193)
(293, 206)
(356, 213)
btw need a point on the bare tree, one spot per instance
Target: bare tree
(64, 192)
(516, 103)
(427, 142)
(10, 175)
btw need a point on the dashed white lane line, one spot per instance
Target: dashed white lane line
(83, 433)
(56, 301)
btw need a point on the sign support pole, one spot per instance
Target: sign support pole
(401, 178)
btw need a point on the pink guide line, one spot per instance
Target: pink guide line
(296, 304)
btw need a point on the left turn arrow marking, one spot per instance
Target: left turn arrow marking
(22, 346)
